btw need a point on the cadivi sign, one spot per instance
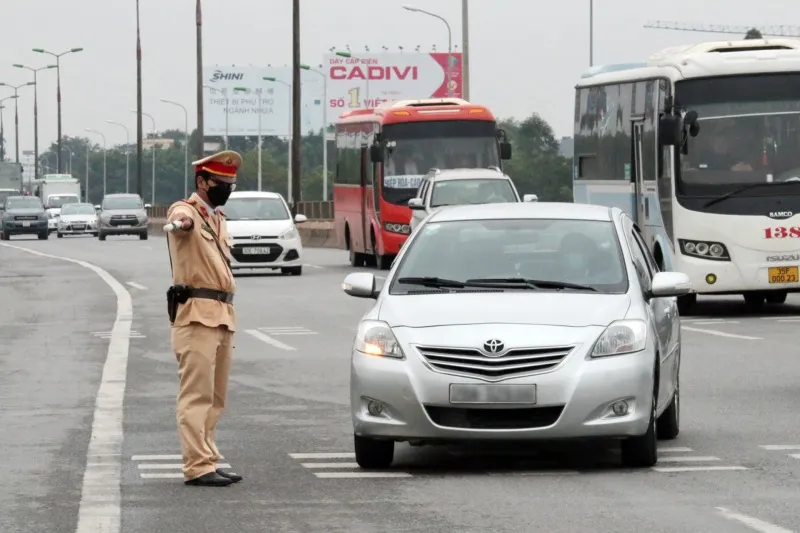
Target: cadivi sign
(373, 73)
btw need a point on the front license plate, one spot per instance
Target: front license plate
(255, 251)
(783, 275)
(78, 226)
(465, 393)
(26, 224)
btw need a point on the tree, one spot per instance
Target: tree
(753, 33)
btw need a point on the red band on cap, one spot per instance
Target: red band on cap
(218, 168)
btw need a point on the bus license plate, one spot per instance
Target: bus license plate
(256, 251)
(783, 275)
(465, 393)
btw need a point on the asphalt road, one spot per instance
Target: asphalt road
(731, 469)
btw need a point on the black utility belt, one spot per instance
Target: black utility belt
(182, 293)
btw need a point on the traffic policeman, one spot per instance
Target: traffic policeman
(200, 304)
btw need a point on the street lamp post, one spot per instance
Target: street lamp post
(35, 113)
(105, 149)
(2, 129)
(153, 184)
(58, 93)
(16, 114)
(289, 139)
(88, 149)
(71, 155)
(465, 49)
(127, 154)
(185, 148)
(449, 42)
(227, 105)
(324, 130)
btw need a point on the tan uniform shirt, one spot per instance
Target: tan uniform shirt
(197, 262)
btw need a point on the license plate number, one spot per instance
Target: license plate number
(783, 275)
(466, 393)
(26, 224)
(255, 251)
(78, 226)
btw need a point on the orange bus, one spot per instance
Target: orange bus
(382, 155)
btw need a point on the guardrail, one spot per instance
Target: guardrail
(313, 210)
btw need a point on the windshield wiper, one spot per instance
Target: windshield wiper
(529, 283)
(434, 282)
(734, 192)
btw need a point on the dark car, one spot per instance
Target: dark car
(24, 215)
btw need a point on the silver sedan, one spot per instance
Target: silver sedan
(518, 322)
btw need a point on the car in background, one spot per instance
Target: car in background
(262, 233)
(77, 219)
(24, 215)
(122, 214)
(54, 205)
(480, 334)
(464, 186)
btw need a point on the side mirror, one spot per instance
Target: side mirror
(360, 285)
(299, 218)
(669, 130)
(416, 204)
(530, 198)
(667, 284)
(147, 206)
(97, 208)
(505, 151)
(376, 153)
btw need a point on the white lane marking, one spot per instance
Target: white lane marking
(329, 465)
(712, 322)
(780, 447)
(354, 475)
(269, 340)
(674, 449)
(160, 457)
(794, 455)
(168, 466)
(752, 522)
(170, 475)
(698, 468)
(312, 266)
(722, 334)
(789, 317)
(688, 459)
(136, 285)
(322, 455)
(100, 504)
(540, 473)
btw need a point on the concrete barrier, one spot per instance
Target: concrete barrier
(313, 234)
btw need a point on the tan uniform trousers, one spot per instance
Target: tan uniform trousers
(204, 360)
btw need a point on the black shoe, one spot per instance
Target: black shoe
(212, 479)
(233, 476)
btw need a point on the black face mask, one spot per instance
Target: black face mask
(218, 196)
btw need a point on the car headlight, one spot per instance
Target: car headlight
(403, 229)
(376, 338)
(714, 251)
(621, 337)
(290, 233)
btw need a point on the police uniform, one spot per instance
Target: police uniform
(204, 324)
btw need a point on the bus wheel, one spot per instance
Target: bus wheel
(754, 301)
(777, 297)
(381, 261)
(686, 303)
(356, 259)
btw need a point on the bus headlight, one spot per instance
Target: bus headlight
(392, 227)
(713, 251)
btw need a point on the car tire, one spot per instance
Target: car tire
(686, 303)
(777, 297)
(59, 235)
(372, 453)
(4, 236)
(294, 271)
(101, 236)
(669, 423)
(143, 236)
(44, 236)
(754, 301)
(642, 451)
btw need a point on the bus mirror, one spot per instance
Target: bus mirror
(669, 130)
(375, 153)
(505, 151)
(690, 119)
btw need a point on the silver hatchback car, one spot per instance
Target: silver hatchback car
(518, 322)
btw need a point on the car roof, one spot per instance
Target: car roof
(529, 210)
(254, 194)
(121, 195)
(468, 173)
(80, 204)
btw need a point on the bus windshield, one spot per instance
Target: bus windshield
(416, 147)
(749, 134)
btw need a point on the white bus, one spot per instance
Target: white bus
(700, 144)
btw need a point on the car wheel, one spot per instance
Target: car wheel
(372, 453)
(669, 423)
(101, 236)
(44, 236)
(143, 236)
(59, 235)
(686, 303)
(776, 297)
(642, 451)
(294, 271)
(754, 301)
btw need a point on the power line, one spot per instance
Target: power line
(766, 31)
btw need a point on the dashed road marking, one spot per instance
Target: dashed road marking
(780, 447)
(151, 466)
(136, 285)
(313, 266)
(312, 462)
(674, 469)
(108, 334)
(752, 522)
(287, 330)
(695, 459)
(322, 455)
(721, 334)
(674, 449)
(676, 458)
(269, 340)
(170, 466)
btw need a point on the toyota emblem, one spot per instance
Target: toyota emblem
(493, 346)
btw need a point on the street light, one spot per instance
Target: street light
(185, 148)
(449, 41)
(105, 147)
(58, 92)
(324, 129)
(247, 90)
(35, 113)
(289, 139)
(127, 154)
(16, 114)
(227, 105)
(153, 185)
(2, 129)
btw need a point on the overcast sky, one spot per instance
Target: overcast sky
(524, 57)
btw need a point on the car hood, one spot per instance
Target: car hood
(34, 211)
(262, 228)
(78, 218)
(137, 212)
(529, 308)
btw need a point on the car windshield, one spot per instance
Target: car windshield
(23, 202)
(4, 195)
(256, 209)
(472, 191)
(576, 252)
(58, 201)
(78, 209)
(128, 202)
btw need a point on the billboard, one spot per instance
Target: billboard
(368, 80)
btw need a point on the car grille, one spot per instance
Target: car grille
(474, 363)
(255, 238)
(275, 250)
(525, 418)
(124, 220)
(27, 217)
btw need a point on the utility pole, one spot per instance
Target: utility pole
(139, 143)
(200, 129)
(591, 33)
(465, 49)
(296, 106)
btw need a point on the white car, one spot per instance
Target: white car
(77, 219)
(262, 234)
